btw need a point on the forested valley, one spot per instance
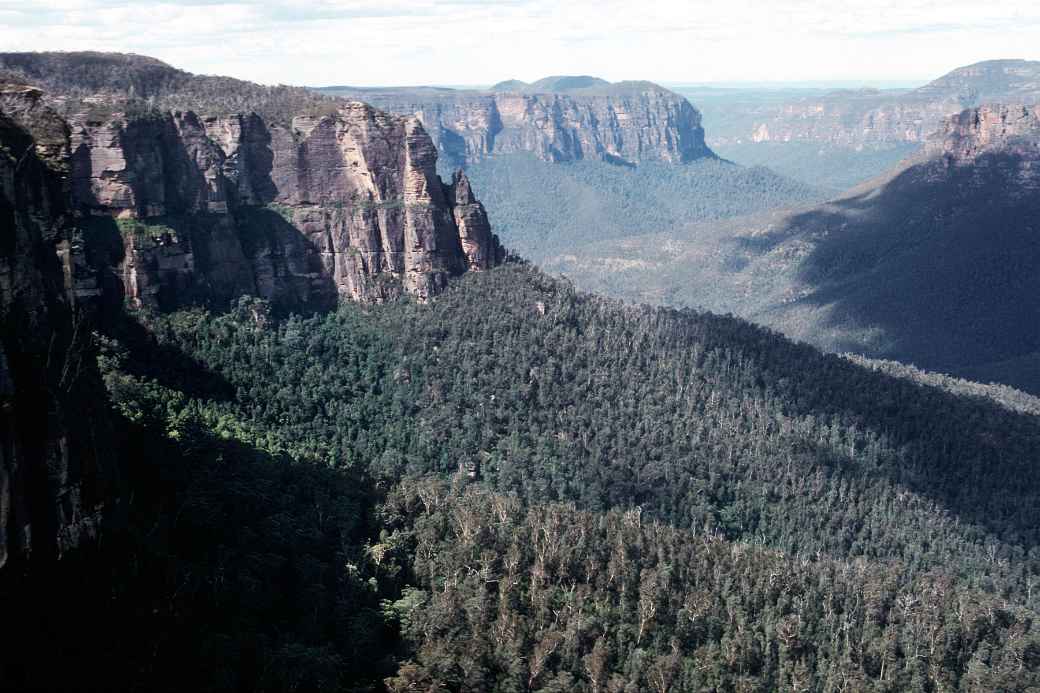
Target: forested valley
(549, 212)
(521, 487)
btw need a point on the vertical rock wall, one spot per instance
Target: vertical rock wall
(342, 205)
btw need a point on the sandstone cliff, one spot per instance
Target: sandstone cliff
(170, 208)
(298, 198)
(54, 470)
(165, 209)
(1011, 130)
(869, 117)
(558, 119)
(346, 204)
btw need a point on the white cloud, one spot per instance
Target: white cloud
(477, 41)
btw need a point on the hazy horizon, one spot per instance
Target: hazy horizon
(396, 43)
(690, 85)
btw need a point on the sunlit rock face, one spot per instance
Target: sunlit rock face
(170, 208)
(1013, 130)
(627, 122)
(346, 204)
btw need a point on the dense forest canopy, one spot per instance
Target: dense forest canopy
(522, 487)
(517, 486)
(547, 212)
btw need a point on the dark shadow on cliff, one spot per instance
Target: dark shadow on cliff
(209, 260)
(287, 269)
(451, 148)
(943, 260)
(103, 250)
(254, 252)
(221, 569)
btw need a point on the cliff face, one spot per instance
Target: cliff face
(478, 243)
(853, 119)
(342, 205)
(174, 208)
(1012, 130)
(870, 117)
(54, 474)
(628, 122)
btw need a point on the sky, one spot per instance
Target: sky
(476, 42)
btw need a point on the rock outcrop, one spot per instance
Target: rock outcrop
(478, 242)
(558, 119)
(55, 473)
(165, 209)
(869, 117)
(200, 188)
(346, 204)
(1012, 130)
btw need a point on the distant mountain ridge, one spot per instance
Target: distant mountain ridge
(554, 84)
(870, 117)
(987, 81)
(558, 118)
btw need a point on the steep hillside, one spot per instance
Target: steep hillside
(550, 212)
(648, 488)
(1009, 397)
(556, 118)
(934, 264)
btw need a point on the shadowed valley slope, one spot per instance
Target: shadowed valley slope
(935, 263)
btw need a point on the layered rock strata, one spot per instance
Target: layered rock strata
(1012, 130)
(346, 204)
(627, 122)
(169, 209)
